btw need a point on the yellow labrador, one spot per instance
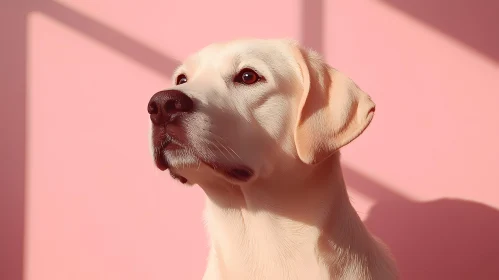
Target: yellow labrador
(257, 124)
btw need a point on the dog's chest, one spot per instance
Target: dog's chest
(248, 264)
(253, 247)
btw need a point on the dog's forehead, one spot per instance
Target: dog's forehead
(277, 51)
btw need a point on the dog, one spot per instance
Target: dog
(258, 124)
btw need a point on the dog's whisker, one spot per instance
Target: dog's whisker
(225, 146)
(216, 146)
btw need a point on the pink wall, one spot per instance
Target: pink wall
(76, 77)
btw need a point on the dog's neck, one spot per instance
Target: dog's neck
(305, 218)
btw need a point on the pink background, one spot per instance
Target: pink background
(80, 198)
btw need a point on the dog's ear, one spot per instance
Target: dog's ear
(332, 109)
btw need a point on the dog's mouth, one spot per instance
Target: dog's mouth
(239, 173)
(160, 145)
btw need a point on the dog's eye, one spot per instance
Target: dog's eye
(181, 79)
(247, 77)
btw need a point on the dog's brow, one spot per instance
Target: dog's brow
(237, 58)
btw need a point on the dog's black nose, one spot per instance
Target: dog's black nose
(166, 103)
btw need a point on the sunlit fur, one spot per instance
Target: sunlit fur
(293, 218)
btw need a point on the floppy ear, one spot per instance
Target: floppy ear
(332, 109)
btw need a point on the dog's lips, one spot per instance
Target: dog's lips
(160, 160)
(160, 145)
(168, 143)
(238, 173)
(163, 141)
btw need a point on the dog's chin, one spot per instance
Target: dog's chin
(183, 162)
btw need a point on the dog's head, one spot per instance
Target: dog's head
(242, 109)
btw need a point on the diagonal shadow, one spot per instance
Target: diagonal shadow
(312, 24)
(473, 22)
(112, 38)
(370, 188)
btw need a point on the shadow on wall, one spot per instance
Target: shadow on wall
(435, 240)
(108, 36)
(473, 22)
(444, 239)
(13, 139)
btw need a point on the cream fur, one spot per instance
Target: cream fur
(293, 219)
